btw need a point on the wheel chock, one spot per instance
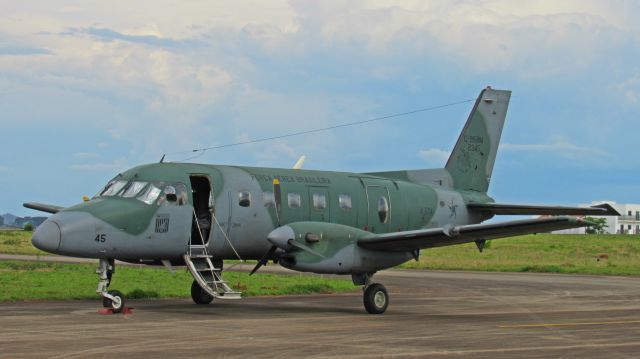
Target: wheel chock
(109, 311)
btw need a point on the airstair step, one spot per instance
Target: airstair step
(230, 295)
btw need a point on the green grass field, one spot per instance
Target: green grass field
(535, 253)
(541, 253)
(56, 281)
(18, 242)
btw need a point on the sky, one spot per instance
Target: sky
(91, 88)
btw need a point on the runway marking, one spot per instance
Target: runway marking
(567, 324)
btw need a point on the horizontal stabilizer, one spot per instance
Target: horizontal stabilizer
(49, 208)
(447, 236)
(517, 209)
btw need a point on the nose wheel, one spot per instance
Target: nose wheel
(116, 302)
(111, 299)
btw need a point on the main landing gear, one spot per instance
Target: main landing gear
(198, 294)
(112, 299)
(376, 297)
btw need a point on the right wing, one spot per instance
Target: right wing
(440, 237)
(523, 209)
(49, 208)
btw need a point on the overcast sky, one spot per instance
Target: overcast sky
(91, 88)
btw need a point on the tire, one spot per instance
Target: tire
(116, 305)
(376, 299)
(198, 295)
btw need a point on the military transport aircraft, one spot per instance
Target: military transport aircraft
(355, 224)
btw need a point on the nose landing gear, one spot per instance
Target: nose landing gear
(112, 299)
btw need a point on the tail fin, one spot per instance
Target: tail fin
(471, 162)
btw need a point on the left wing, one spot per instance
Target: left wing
(49, 208)
(447, 236)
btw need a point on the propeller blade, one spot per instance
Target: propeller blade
(278, 197)
(305, 248)
(300, 162)
(265, 258)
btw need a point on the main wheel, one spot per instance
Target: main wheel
(117, 304)
(198, 295)
(376, 299)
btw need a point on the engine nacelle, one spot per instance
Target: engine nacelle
(330, 248)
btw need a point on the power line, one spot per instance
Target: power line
(299, 133)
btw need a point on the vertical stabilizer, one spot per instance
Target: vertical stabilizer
(471, 162)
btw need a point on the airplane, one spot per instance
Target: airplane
(200, 215)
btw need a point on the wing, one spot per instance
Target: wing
(440, 237)
(517, 209)
(49, 208)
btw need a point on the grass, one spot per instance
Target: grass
(55, 281)
(546, 253)
(18, 242)
(541, 253)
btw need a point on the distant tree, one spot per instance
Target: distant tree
(599, 225)
(1, 221)
(28, 227)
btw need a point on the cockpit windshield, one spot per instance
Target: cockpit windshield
(134, 189)
(161, 193)
(112, 188)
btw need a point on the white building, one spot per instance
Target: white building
(627, 223)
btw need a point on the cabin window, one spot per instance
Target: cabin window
(383, 209)
(113, 188)
(269, 199)
(319, 201)
(244, 198)
(344, 201)
(134, 189)
(150, 195)
(294, 200)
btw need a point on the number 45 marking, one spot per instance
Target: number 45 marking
(101, 238)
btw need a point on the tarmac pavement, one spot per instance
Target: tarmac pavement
(431, 314)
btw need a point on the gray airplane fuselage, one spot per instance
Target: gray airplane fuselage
(122, 226)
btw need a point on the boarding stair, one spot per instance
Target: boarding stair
(200, 264)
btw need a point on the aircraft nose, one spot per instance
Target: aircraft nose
(47, 236)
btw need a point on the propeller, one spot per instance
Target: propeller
(265, 258)
(278, 199)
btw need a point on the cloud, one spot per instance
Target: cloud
(4, 168)
(105, 34)
(23, 51)
(85, 155)
(114, 166)
(434, 156)
(630, 89)
(559, 147)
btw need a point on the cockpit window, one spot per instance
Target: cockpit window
(134, 189)
(150, 195)
(113, 188)
(174, 194)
